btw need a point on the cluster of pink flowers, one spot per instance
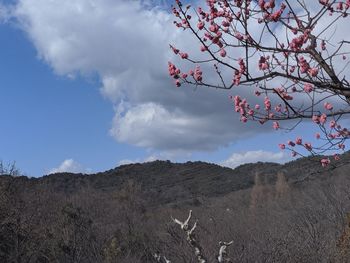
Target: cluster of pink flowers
(175, 73)
(198, 74)
(241, 106)
(264, 5)
(308, 87)
(283, 93)
(219, 20)
(319, 119)
(299, 141)
(268, 16)
(263, 63)
(298, 42)
(303, 64)
(340, 5)
(238, 73)
(313, 72)
(267, 104)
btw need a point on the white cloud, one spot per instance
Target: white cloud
(127, 161)
(151, 125)
(126, 44)
(69, 166)
(150, 158)
(237, 159)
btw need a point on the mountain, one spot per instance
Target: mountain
(166, 182)
(296, 212)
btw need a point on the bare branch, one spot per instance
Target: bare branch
(198, 251)
(222, 251)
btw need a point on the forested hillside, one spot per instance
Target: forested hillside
(297, 212)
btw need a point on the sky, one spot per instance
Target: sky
(84, 88)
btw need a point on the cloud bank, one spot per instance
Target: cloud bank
(238, 159)
(126, 44)
(69, 166)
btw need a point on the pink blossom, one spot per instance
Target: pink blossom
(328, 106)
(267, 103)
(183, 55)
(198, 74)
(332, 124)
(323, 118)
(276, 125)
(316, 119)
(308, 87)
(223, 52)
(263, 63)
(318, 136)
(313, 72)
(175, 50)
(291, 143)
(200, 25)
(298, 141)
(282, 146)
(340, 6)
(173, 71)
(308, 146)
(214, 28)
(341, 146)
(278, 108)
(325, 162)
(303, 64)
(324, 2)
(239, 36)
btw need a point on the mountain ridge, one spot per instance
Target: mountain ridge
(166, 182)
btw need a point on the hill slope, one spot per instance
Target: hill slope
(166, 182)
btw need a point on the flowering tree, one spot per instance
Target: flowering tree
(289, 53)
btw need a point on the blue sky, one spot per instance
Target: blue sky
(75, 100)
(47, 118)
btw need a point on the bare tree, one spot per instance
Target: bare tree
(194, 243)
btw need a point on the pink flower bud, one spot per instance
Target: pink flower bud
(223, 53)
(282, 146)
(298, 141)
(328, 106)
(308, 146)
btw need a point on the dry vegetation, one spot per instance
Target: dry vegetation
(275, 220)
